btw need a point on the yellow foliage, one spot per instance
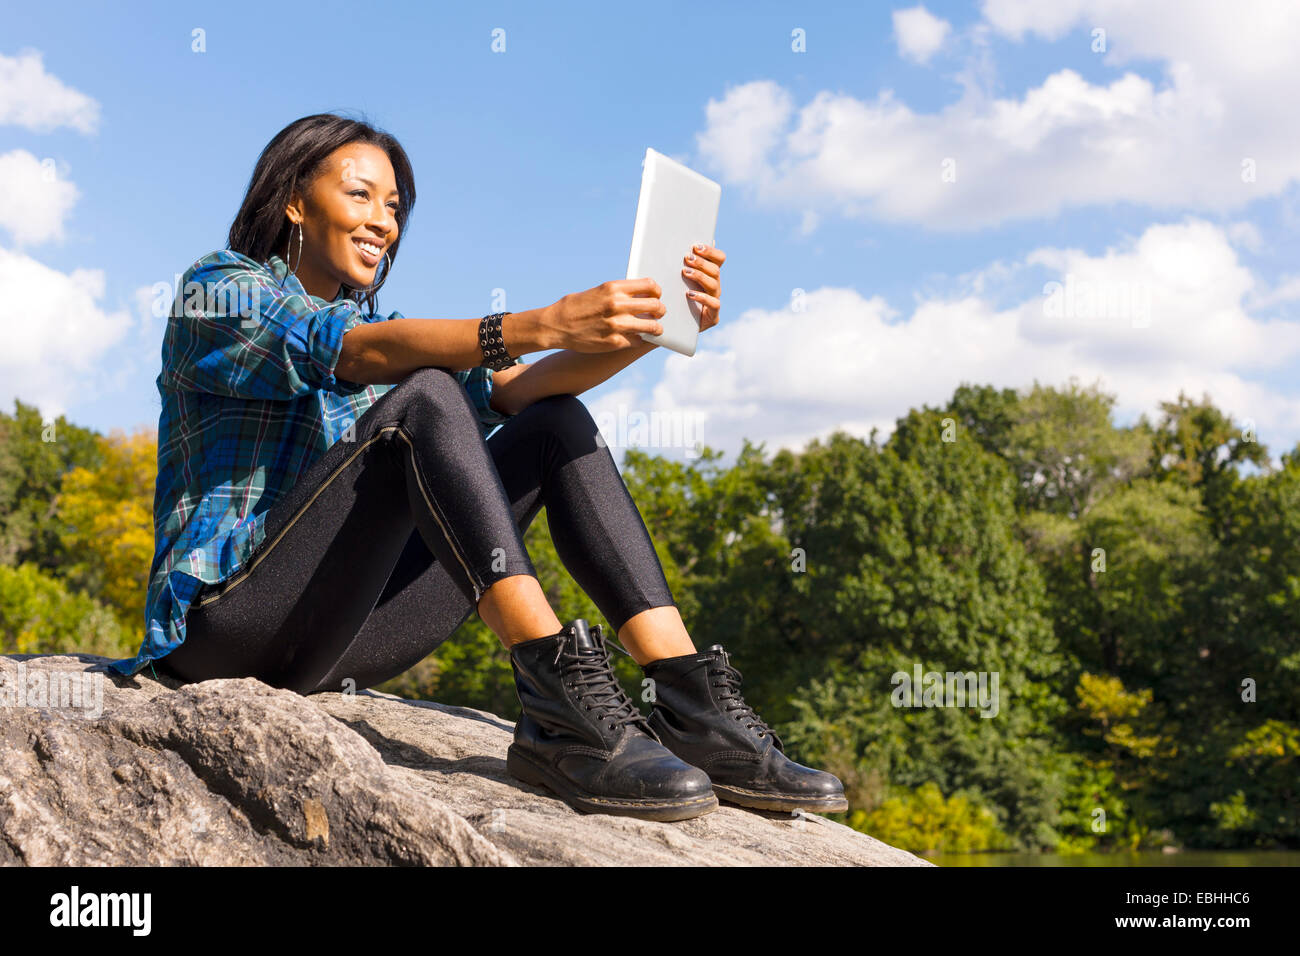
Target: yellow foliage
(1131, 731)
(1122, 735)
(1104, 698)
(1272, 739)
(108, 514)
(923, 821)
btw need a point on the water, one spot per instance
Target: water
(1183, 858)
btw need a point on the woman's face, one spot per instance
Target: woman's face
(348, 218)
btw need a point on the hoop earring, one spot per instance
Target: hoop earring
(374, 287)
(294, 269)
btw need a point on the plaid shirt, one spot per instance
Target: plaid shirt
(249, 402)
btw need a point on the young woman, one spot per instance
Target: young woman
(330, 508)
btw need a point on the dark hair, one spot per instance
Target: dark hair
(294, 157)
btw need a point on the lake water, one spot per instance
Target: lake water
(1184, 858)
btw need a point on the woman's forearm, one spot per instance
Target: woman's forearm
(383, 353)
(560, 373)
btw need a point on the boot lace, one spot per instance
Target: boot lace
(593, 680)
(731, 692)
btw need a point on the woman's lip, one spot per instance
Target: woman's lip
(366, 257)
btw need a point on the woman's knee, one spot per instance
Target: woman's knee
(437, 390)
(564, 412)
(431, 379)
(568, 419)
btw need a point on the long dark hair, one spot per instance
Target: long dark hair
(293, 158)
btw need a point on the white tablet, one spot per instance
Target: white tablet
(677, 209)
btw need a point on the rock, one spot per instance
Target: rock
(99, 769)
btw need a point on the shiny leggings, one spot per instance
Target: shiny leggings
(386, 544)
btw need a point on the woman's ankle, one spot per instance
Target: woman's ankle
(516, 610)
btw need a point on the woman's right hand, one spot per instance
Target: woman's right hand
(605, 318)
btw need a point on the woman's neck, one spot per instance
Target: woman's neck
(321, 286)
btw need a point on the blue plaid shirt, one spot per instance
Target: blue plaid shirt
(249, 402)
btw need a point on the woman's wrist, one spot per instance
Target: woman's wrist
(524, 332)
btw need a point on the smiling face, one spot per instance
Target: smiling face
(349, 219)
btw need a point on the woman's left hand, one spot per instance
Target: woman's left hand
(701, 267)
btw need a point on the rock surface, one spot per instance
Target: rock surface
(234, 772)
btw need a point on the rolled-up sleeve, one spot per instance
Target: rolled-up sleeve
(232, 331)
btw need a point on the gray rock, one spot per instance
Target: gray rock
(235, 772)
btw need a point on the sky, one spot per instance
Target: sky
(913, 197)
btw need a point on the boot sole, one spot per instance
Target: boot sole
(524, 768)
(757, 800)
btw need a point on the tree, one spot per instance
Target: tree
(107, 522)
(40, 615)
(1126, 739)
(34, 456)
(1066, 452)
(1197, 445)
(987, 414)
(1142, 555)
(913, 560)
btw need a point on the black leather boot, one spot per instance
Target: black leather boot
(581, 737)
(700, 716)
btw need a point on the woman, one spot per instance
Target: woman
(328, 510)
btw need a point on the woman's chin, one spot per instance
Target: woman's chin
(361, 280)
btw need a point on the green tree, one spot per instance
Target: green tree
(1196, 444)
(1066, 452)
(987, 414)
(913, 559)
(39, 615)
(34, 456)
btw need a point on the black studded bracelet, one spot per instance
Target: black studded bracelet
(495, 356)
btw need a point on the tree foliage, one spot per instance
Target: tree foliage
(107, 521)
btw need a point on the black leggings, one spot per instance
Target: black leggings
(387, 543)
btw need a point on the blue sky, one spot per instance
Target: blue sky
(859, 282)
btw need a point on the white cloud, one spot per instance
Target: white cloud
(136, 356)
(56, 331)
(1065, 142)
(38, 100)
(785, 377)
(1286, 289)
(1245, 235)
(744, 127)
(1013, 17)
(36, 199)
(919, 33)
